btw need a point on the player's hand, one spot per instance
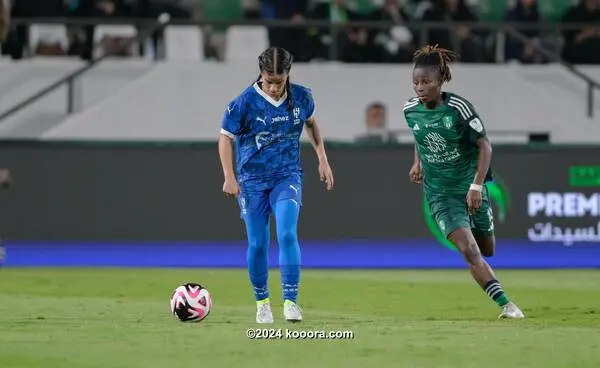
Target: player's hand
(326, 174)
(416, 174)
(5, 178)
(231, 188)
(474, 200)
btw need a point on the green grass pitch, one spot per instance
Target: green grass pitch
(109, 318)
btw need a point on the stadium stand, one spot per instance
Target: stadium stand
(184, 43)
(517, 100)
(511, 75)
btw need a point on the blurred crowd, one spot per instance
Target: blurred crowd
(81, 38)
(396, 44)
(354, 44)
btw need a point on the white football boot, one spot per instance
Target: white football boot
(511, 311)
(264, 313)
(291, 311)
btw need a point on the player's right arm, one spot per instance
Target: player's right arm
(230, 127)
(230, 185)
(417, 159)
(415, 173)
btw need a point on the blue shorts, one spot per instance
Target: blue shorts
(258, 197)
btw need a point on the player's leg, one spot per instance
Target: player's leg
(483, 227)
(481, 271)
(255, 213)
(286, 200)
(486, 244)
(451, 215)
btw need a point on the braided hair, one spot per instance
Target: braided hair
(277, 60)
(437, 58)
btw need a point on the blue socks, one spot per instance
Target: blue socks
(257, 229)
(286, 214)
(257, 255)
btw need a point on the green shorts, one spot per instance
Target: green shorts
(450, 212)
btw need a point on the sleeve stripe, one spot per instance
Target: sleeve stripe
(311, 115)
(460, 109)
(408, 105)
(228, 134)
(466, 110)
(463, 103)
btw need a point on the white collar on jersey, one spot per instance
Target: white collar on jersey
(269, 98)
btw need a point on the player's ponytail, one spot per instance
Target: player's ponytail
(288, 90)
(436, 57)
(277, 60)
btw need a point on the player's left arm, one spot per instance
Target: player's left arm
(484, 160)
(478, 135)
(474, 133)
(316, 139)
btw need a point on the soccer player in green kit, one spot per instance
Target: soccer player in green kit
(452, 161)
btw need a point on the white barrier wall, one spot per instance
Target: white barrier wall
(185, 101)
(21, 79)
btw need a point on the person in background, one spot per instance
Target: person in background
(177, 9)
(17, 39)
(395, 44)
(5, 8)
(581, 46)
(295, 40)
(351, 43)
(460, 38)
(99, 9)
(5, 180)
(252, 9)
(524, 11)
(376, 124)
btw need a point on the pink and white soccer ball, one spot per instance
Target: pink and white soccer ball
(191, 302)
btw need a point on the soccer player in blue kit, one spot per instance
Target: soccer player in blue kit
(265, 122)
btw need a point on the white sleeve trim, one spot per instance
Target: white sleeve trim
(228, 134)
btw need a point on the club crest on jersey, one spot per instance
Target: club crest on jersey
(296, 115)
(447, 122)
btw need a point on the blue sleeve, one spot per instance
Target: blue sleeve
(231, 125)
(310, 104)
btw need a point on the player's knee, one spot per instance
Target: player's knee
(287, 238)
(257, 246)
(487, 251)
(486, 246)
(471, 253)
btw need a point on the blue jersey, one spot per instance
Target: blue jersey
(267, 132)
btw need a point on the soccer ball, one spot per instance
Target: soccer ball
(191, 302)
